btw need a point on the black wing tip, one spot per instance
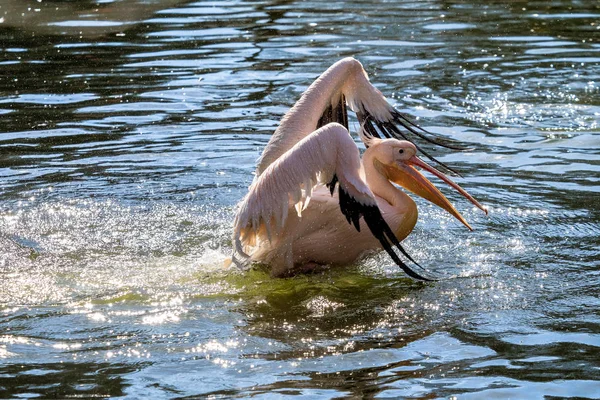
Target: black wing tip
(417, 130)
(353, 210)
(389, 129)
(388, 240)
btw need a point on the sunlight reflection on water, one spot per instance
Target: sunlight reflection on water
(125, 146)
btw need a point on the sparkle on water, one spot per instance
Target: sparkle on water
(130, 129)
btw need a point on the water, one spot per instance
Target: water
(128, 138)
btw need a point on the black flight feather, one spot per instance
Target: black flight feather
(335, 113)
(353, 210)
(389, 129)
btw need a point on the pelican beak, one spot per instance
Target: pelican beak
(406, 175)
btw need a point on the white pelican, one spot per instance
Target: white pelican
(293, 219)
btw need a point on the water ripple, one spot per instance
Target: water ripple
(127, 140)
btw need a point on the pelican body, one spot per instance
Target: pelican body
(315, 202)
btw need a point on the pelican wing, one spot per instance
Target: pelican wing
(328, 156)
(345, 85)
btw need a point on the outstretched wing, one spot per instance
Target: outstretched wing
(328, 156)
(346, 85)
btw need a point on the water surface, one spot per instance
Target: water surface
(130, 129)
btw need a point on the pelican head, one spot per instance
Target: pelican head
(397, 160)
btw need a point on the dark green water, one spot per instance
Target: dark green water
(129, 131)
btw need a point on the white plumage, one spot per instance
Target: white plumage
(344, 79)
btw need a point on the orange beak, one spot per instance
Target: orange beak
(407, 176)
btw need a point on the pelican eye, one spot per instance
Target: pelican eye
(401, 151)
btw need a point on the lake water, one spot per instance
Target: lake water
(130, 129)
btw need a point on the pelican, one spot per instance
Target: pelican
(314, 202)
